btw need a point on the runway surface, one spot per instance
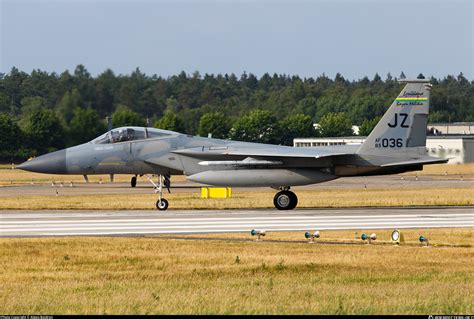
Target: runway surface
(130, 223)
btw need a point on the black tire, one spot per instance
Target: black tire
(133, 182)
(162, 205)
(294, 200)
(285, 200)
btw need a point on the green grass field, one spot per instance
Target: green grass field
(115, 275)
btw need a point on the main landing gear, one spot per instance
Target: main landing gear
(133, 181)
(163, 180)
(285, 200)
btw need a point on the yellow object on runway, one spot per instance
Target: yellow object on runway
(216, 192)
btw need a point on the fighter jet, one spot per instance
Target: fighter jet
(396, 145)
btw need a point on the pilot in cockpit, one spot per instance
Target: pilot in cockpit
(125, 134)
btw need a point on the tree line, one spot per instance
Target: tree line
(41, 111)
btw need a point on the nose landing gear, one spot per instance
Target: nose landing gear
(285, 200)
(163, 180)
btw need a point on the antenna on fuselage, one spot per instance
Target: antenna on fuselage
(109, 123)
(147, 124)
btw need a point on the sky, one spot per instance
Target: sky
(305, 38)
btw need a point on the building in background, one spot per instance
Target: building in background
(458, 148)
(460, 128)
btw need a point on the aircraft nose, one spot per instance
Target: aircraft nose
(52, 163)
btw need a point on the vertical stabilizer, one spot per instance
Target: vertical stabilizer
(402, 129)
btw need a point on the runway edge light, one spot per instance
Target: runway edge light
(257, 233)
(370, 238)
(397, 237)
(423, 240)
(311, 237)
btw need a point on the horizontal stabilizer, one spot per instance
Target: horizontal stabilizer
(420, 161)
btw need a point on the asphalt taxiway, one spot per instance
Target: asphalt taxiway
(132, 223)
(66, 187)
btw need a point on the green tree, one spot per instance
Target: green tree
(105, 88)
(123, 116)
(85, 84)
(11, 85)
(189, 120)
(307, 106)
(31, 103)
(4, 102)
(215, 123)
(297, 125)
(377, 78)
(43, 130)
(438, 117)
(192, 96)
(85, 125)
(367, 126)
(11, 137)
(169, 121)
(257, 126)
(69, 102)
(335, 124)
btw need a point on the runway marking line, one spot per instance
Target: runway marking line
(266, 225)
(232, 223)
(229, 218)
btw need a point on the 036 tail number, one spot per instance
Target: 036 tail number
(388, 142)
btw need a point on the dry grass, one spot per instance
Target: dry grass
(10, 176)
(438, 237)
(260, 199)
(445, 170)
(171, 276)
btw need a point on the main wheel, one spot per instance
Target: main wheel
(133, 182)
(285, 200)
(294, 200)
(162, 204)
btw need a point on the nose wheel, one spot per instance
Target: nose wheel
(285, 200)
(162, 204)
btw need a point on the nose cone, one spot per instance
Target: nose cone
(52, 163)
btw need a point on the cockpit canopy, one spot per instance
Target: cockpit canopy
(125, 134)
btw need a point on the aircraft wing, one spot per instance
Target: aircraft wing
(257, 156)
(263, 152)
(243, 156)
